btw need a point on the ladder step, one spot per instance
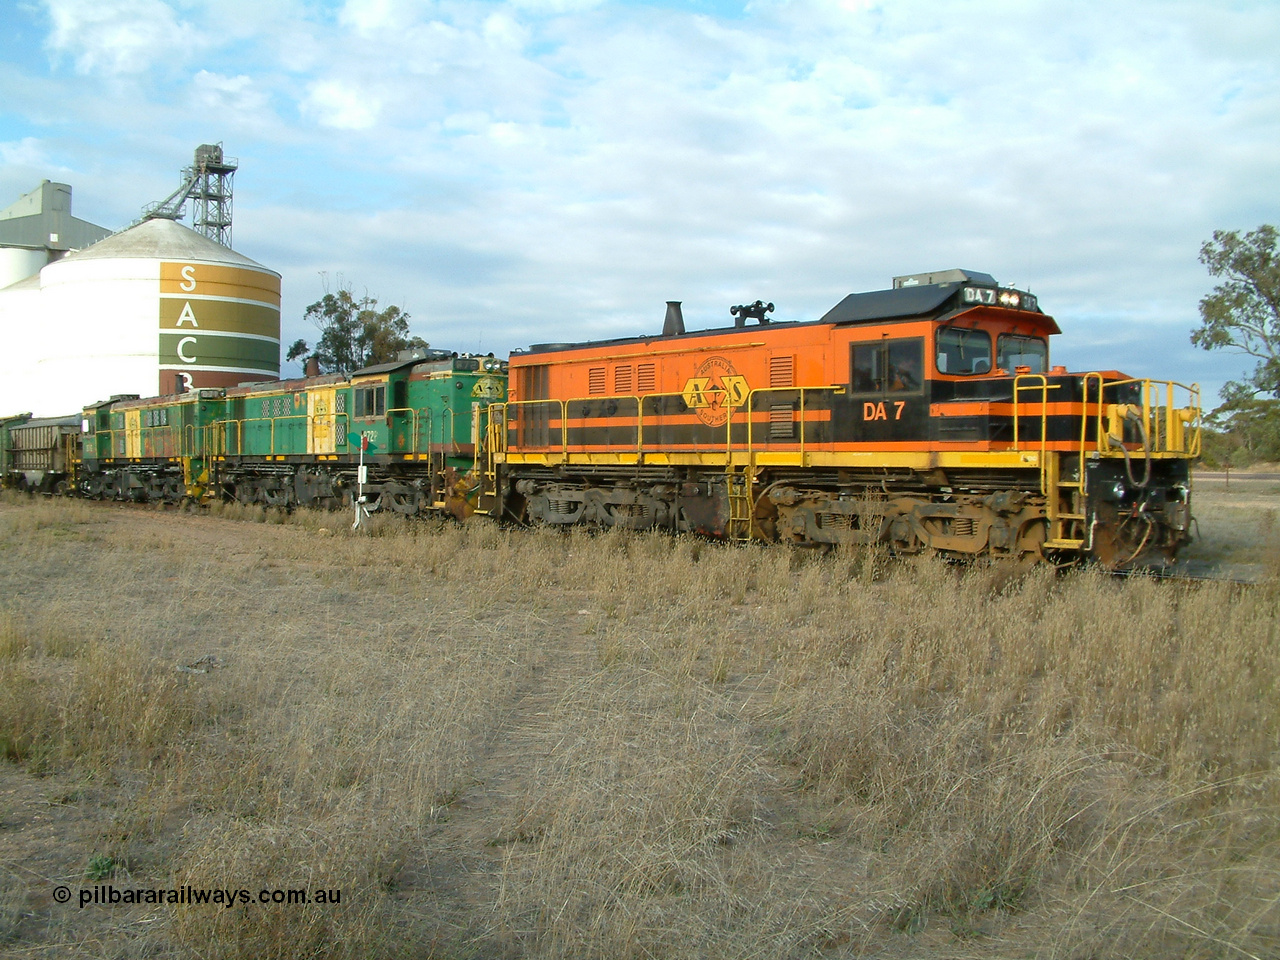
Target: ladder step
(1062, 544)
(1071, 516)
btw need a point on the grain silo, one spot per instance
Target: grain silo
(156, 308)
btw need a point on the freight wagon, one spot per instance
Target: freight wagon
(39, 455)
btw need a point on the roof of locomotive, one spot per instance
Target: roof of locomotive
(914, 301)
(295, 385)
(937, 300)
(417, 356)
(70, 420)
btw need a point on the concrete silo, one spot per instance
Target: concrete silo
(153, 309)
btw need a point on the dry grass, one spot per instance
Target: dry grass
(499, 743)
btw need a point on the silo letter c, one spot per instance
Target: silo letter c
(182, 343)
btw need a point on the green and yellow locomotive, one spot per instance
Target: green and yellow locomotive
(413, 423)
(154, 449)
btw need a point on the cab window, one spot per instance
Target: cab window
(1013, 352)
(371, 401)
(963, 352)
(887, 366)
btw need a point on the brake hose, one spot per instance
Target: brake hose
(1146, 452)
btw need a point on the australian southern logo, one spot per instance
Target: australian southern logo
(487, 388)
(714, 390)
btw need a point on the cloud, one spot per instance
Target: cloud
(27, 152)
(338, 104)
(117, 36)
(221, 94)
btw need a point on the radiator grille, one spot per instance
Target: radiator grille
(622, 380)
(781, 426)
(646, 378)
(782, 371)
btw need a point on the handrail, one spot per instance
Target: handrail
(517, 422)
(223, 443)
(414, 413)
(1173, 437)
(750, 407)
(558, 437)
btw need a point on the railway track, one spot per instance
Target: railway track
(1204, 570)
(1185, 569)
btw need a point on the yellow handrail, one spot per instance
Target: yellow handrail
(1173, 438)
(414, 422)
(750, 407)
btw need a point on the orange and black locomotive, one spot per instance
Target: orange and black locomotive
(927, 417)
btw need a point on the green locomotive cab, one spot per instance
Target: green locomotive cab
(421, 421)
(430, 405)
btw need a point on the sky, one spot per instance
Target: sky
(527, 171)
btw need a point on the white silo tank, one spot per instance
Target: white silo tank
(20, 313)
(19, 263)
(135, 311)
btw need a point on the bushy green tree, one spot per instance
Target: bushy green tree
(354, 333)
(1243, 314)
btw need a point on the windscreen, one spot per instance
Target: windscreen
(1013, 352)
(963, 352)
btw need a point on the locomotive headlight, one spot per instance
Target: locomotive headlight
(1010, 298)
(1112, 491)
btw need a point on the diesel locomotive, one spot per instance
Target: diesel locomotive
(401, 434)
(927, 417)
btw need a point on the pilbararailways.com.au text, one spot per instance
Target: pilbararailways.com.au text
(107, 895)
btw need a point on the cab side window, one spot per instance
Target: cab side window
(371, 401)
(887, 366)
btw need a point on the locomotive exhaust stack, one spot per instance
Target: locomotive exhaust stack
(673, 325)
